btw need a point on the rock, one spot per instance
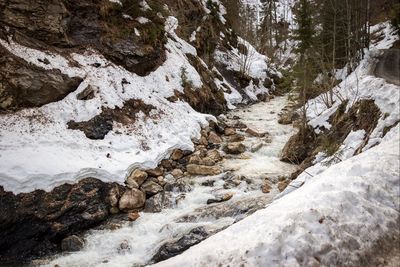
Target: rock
(131, 200)
(299, 146)
(203, 170)
(207, 161)
(283, 184)
(214, 138)
(177, 186)
(224, 197)
(239, 125)
(131, 184)
(24, 85)
(124, 246)
(161, 181)
(137, 176)
(88, 93)
(208, 183)
(159, 171)
(168, 164)
(65, 210)
(214, 155)
(236, 138)
(194, 159)
(72, 243)
(173, 248)
(158, 202)
(229, 131)
(151, 188)
(254, 133)
(177, 154)
(113, 196)
(266, 187)
(257, 146)
(133, 216)
(203, 141)
(177, 173)
(114, 210)
(234, 148)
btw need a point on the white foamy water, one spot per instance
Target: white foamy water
(145, 235)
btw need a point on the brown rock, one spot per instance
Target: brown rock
(151, 188)
(207, 161)
(159, 171)
(236, 138)
(177, 154)
(214, 138)
(131, 200)
(282, 185)
(133, 216)
(214, 155)
(177, 173)
(137, 176)
(224, 197)
(234, 148)
(72, 243)
(203, 170)
(194, 159)
(254, 133)
(229, 131)
(203, 141)
(266, 187)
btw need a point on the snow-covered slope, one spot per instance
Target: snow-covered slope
(333, 220)
(344, 210)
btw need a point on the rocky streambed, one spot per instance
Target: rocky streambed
(234, 171)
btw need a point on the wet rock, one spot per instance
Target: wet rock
(52, 216)
(239, 125)
(266, 187)
(236, 138)
(168, 164)
(214, 138)
(159, 171)
(177, 186)
(114, 210)
(207, 161)
(131, 200)
(177, 154)
(203, 170)
(254, 133)
(231, 183)
(124, 247)
(208, 183)
(214, 155)
(203, 141)
(224, 197)
(137, 177)
(234, 148)
(283, 184)
(229, 131)
(72, 243)
(133, 216)
(257, 146)
(173, 248)
(158, 202)
(195, 159)
(177, 173)
(151, 188)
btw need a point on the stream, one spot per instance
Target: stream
(191, 220)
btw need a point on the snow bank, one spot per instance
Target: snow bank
(37, 151)
(333, 220)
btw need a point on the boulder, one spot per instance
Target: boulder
(151, 188)
(177, 154)
(214, 138)
(266, 187)
(222, 198)
(131, 200)
(229, 131)
(236, 138)
(158, 202)
(254, 133)
(137, 176)
(256, 146)
(234, 148)
(72, 243)
(159, 171)
(214, 155)
(133, 216)
(203, 170)
(177, 173)
(207, 161)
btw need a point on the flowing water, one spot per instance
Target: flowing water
(135, 243)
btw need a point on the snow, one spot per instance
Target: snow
(337, 217)
(37, 150)
(143, 20)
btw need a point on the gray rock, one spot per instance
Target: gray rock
(131, 200)
(151, 188)
(234, 148)
(72, 243)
